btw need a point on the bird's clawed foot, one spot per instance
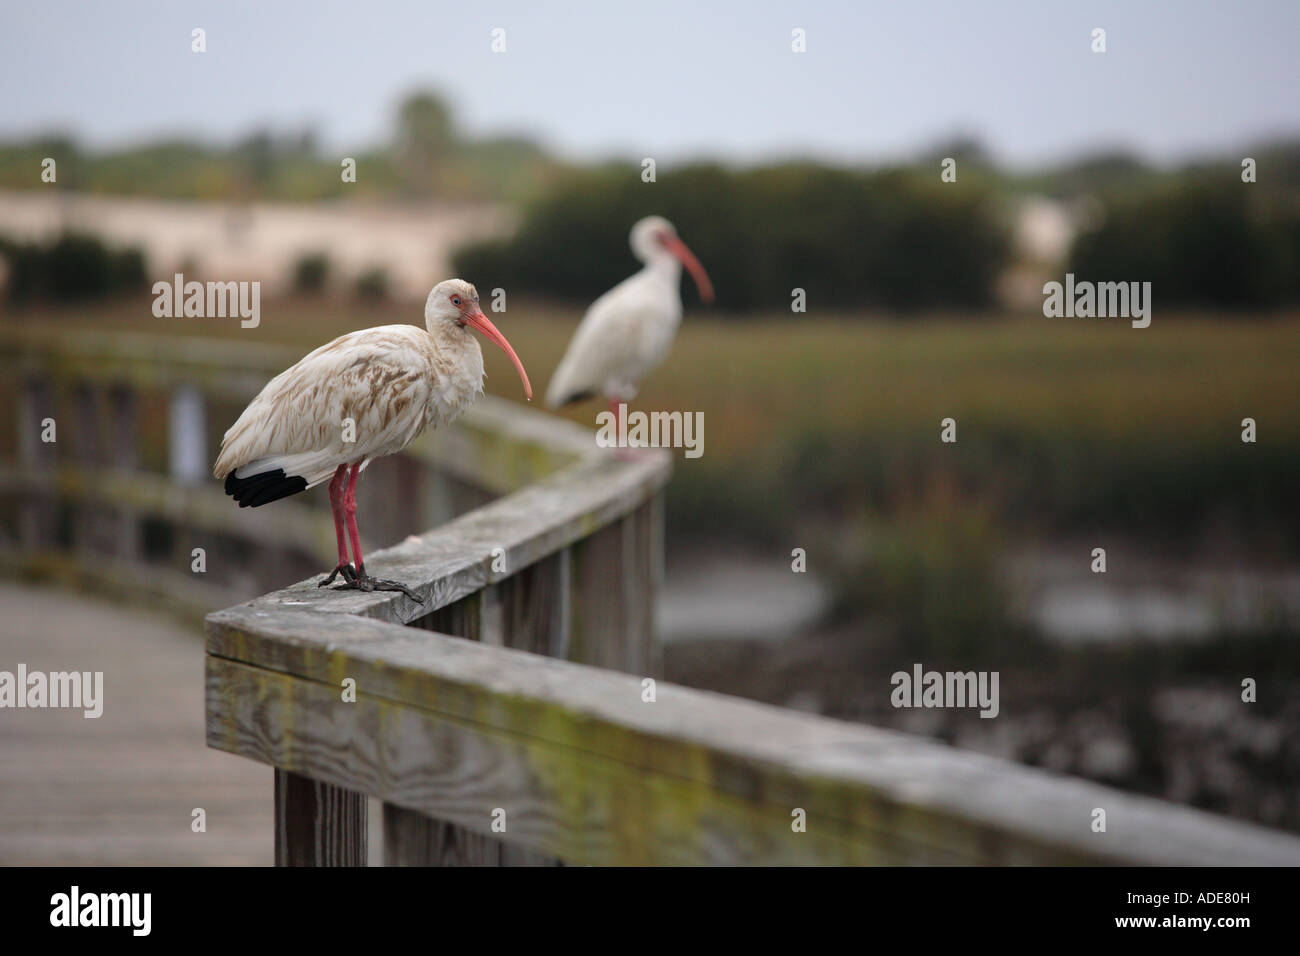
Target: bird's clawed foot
(360, 581)
(344, 569)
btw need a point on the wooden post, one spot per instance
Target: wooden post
(615, 579)
(317, 824)
(390, 498)
(536, 617)
(35, 404)
(535, 606)
(90, 525)
(187, 460)
(642, 571)
(655, 580)
(124, 417)
(187, 426)
(411, 838)
(526, 611)
(434, 494)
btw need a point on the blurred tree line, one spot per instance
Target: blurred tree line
(70, 267)
(426, 157)
(902, 240)
(895, 239)
(1204, 241)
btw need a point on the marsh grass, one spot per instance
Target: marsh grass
(1063, 426)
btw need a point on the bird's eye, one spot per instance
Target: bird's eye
(455, 300)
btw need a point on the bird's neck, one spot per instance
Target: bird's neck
(664, 266)
(457, 363)
(455, 341)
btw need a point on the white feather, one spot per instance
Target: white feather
(625, 334)
(381, 387)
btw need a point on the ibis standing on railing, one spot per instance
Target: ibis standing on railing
(365, 395)
(629, 330)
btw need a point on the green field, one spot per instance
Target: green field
(1063, 425)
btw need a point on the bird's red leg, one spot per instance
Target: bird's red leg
(622, 454)
(337, 485)
(350, 510)
(363, 581)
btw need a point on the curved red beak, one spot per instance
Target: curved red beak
(680, 250)
(479, 323)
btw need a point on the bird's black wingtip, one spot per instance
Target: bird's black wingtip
(573, 399)
(263, 488)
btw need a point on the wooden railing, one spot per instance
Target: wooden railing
(544, 737)
(121, 497)
(566, 567)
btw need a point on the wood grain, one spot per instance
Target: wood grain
(119, 790)
(527, 611)
(590, 773)
(317, 824)
(37, 519)
(455, 560)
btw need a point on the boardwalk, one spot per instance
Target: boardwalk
(119, 789)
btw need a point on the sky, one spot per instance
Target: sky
(670, 79)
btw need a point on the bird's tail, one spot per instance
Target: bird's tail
(563, 389)
(264, 487)
(560, 401)
(270, 479)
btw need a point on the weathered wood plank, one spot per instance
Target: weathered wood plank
(187, 432)
(410, 837)
(317, 824)
(120, 790)
(147, 362)
(37, 521)
(413, 839)
(146, 584)
(124, 415)
(654, 664)
(501, 446)
(613, 595)
(589, 773)
(534, 607)
(455, 560)
(92, 525)
(464, 618)
(289, 525)
(556, 800)
(497, 445)
(527, 611)
(535, 616)
(640, 588)
(597, 599)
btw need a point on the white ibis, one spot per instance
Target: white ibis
(629, 329)
(365, 395)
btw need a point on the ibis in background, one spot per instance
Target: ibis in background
(629, 330)
(365, 395)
